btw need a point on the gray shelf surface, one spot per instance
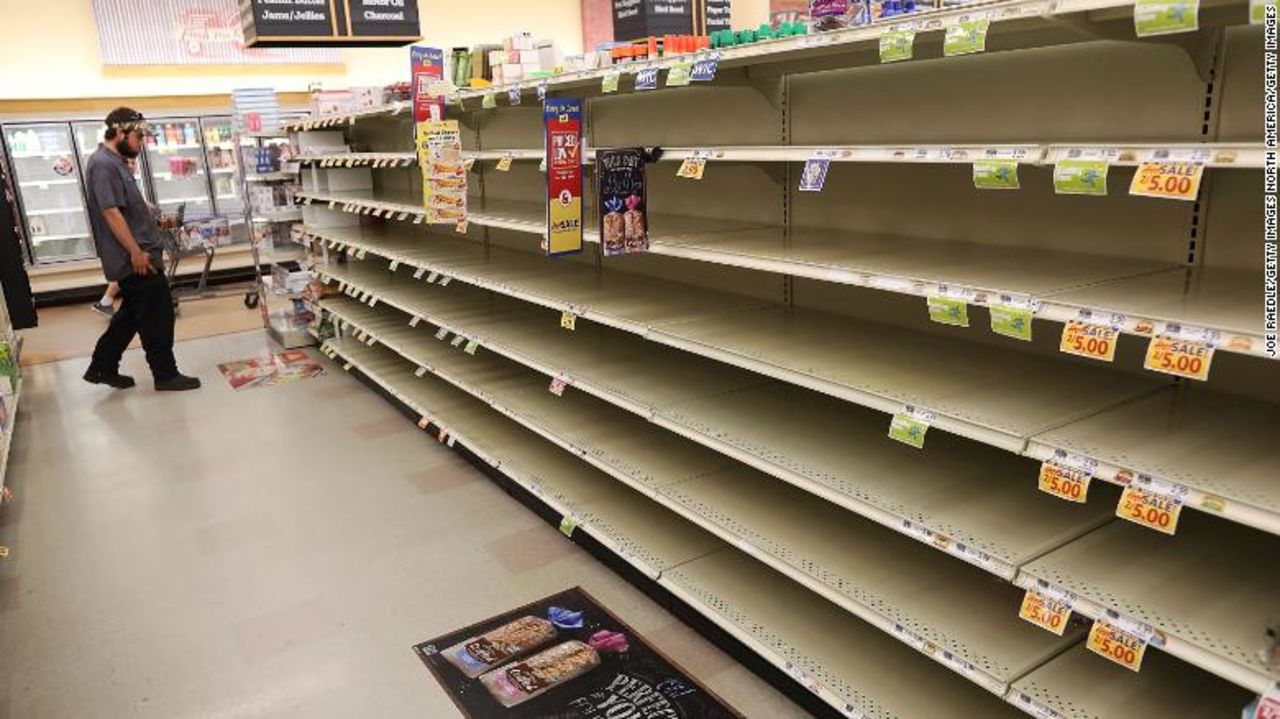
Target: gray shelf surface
(1082, 685)
(871, 671)
(1212, 587)
(875, 365)
(973, 495)
(809, 539)
(1222, 445)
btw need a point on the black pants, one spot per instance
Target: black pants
(146, 309)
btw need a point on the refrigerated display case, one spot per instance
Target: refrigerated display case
(176, 159)
(47, 174)
(221, 146)
(88, 137)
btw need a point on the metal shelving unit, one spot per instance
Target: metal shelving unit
(732, 384)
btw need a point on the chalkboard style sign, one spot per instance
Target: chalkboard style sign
(311, 23)
(637, 19)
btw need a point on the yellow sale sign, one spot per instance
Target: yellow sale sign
(1182, 358)
(1167, 180)
(1117, 645)
(1044, 612)
(1088, 340)
(1069, 484)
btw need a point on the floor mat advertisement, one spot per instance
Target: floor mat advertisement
(271, 370)
(566, 657)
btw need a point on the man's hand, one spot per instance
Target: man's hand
(141, 262)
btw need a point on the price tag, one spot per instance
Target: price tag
(558, 386)
(568, 321)
(360, 254)
(1011, 321)
(1117, 645)
(948, 311)
(418, 219)
(814, 176)
(442, 333)
(513, 95)
(1257, 16)
(1089, 340)
(679, 74)
(1181, 358)
(609, 83)
(413, 321)
(694, 166)
(431, 278)
(462, 227)
(567, 525)
(4, 552)
(371, 340)
(966, 37)
(1045, 612)
(418, 273)
(444, 281)
(542, 90)
(1161, 17)
(346, 367)
(420, 372)
(504, 163)
(995, 174)
(489, 101)
(1064, 483)
(1153, 504)
(705, 68)
(910, 427)
(457, 340)
(373, 301)
(471, 347)
(897, 45)
(1168, 180)
(395, 265)
(1080, 177)
(1268, 706)
(424, 422)
(647, 79)
(542, 165)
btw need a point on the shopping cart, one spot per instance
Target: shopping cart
(183, 239)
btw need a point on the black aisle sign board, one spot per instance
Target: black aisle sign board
(567, 657)
(635, 19)
(312, 23)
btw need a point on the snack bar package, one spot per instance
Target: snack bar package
(518, 683)
(514, 639)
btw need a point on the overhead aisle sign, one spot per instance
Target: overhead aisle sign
(563, 119)
(310, 23)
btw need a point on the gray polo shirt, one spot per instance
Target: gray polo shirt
(109, 183)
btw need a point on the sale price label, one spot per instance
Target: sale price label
(1045, 612)
(692, 168)
(948, 311)
(1069, 484)
(897, 45)
(966, 37)
(568, 320)
(504, 163)
(1118, 646)
(909, 429)
(1182, 358)
(1151, 508)
(1088, 340)
(1168, 180)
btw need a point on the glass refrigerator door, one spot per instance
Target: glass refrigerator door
(175, 156)
(88, 137)
(48, 181)
(220, 151)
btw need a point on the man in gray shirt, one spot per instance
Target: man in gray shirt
(128, 243)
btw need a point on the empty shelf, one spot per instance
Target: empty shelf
(1211, 590)
(853, 666)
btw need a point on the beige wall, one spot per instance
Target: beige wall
(49, 50)
(746, 13)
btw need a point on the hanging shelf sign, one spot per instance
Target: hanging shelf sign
(348, 23)
(444, 174)
(563, 120)
(623, 201)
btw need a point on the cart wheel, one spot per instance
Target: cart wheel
(251, 300)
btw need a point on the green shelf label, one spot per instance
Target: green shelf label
(948, 311)
(966, 37)
(1160, 17)
(1258, 11)
(1080, 177)
(609, 83)
(680, 74)
(897, 45)
(908, 430)
(489, 102)
(1011, 322)
(567, 525)
(995, 174)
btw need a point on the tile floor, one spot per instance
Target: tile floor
(268, 553)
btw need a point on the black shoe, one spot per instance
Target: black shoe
(115, 379)
(177, 383)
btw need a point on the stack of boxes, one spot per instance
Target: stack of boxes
(524, 58)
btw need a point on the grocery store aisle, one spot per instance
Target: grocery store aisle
(267, 553)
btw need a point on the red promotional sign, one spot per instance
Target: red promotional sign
(563, 118)
(427, 69)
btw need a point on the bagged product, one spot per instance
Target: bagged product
(478, 655)
(518, 683)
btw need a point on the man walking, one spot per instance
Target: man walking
(128, 244)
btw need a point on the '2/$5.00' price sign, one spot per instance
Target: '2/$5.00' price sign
(1168, 180)
(1147, 502)
(1183, 358)
(1089, 340)
(1045, 612)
